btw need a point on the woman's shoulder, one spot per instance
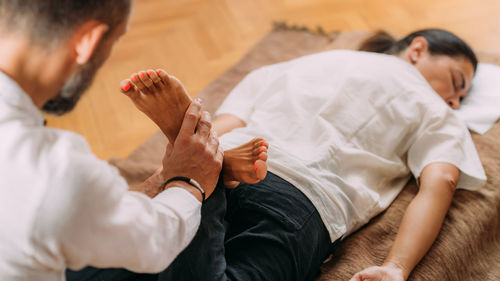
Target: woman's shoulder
(359, 63)
(347, 62)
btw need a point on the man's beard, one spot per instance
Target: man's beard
(72, 91)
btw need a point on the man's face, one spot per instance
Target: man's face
(80, 81)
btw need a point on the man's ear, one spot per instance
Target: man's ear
(86, 39)
(418, 47)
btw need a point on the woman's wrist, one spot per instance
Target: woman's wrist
(398, 268)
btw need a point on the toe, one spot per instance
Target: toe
(137, 82)
(156, 79)
(125, 86)
(263, 156)
(128, 89)
(165, 78)
(259, 150)
(149, 87)
(262, 142)
(260, 169)
(265, 144)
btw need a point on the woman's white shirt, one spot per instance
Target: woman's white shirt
(348, 129)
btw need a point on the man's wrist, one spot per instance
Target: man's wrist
(190, 181)
(188, 187)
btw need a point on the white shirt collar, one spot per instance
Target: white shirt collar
(17, 100)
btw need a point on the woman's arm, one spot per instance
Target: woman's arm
(420, 225)
(225, 123)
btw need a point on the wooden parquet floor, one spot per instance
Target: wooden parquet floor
(197, 40)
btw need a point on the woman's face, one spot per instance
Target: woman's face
(450, 77)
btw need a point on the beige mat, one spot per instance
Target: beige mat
(468, 247)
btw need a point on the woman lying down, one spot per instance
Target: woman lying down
(346, 131)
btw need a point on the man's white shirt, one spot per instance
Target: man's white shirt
(62, 207)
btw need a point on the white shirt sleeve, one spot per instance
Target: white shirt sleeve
(94, 220)
(443, 138)
(242, 99)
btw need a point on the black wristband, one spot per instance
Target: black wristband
(191, 182)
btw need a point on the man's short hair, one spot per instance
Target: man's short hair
(49, 20)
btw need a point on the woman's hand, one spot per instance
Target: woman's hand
(379, 273)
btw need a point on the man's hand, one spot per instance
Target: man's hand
(196, 153)
(379, 273)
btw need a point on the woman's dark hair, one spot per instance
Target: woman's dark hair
(441, 42)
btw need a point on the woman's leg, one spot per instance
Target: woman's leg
(164, 100)
(226, 123)
(275, 233)
(272, 232)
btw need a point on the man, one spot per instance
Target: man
(61, 206)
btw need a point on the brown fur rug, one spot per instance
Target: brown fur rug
(468, 247)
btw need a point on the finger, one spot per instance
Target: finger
(220, 155)
(170, 149)
(190, 119)
(204, 125)
(213, 142)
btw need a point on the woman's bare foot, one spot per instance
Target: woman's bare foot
(164, 100)
(161, 97)
(245, 163)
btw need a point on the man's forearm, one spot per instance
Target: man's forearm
(155, 184)
(152, 186)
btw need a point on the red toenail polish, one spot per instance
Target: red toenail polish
(260, 156)
(134, 78)
(264, 144)
(142, 74)
(158, 71)
(126, 87)
(256, 168)
(261, 149)
(150, 73)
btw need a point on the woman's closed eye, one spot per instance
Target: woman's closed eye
(462, 85)
(454, 82)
